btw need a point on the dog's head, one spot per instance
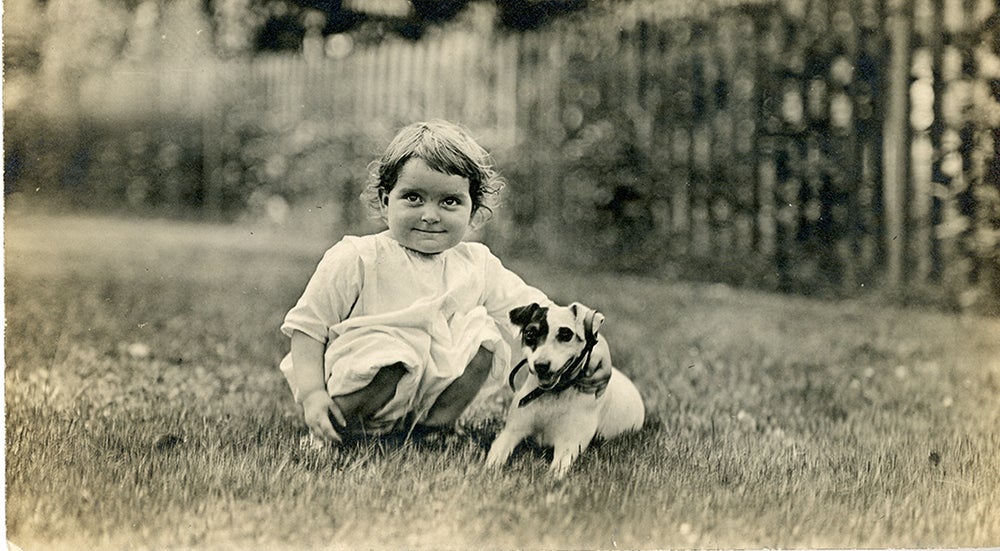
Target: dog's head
(552, 337)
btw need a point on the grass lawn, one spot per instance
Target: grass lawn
(144, 411)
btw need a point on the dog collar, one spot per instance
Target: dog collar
(571, 374)
(513, 373)
(588, 328)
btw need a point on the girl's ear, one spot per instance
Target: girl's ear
(383, 198)
(479, 217)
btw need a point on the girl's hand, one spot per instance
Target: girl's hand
(594, 379)
(317, 407)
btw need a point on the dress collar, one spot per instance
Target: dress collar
(386, 234)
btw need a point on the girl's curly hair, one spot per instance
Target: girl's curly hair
(445, 147)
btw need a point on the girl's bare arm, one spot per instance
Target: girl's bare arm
(310, 386)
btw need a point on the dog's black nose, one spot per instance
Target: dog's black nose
(542, 368)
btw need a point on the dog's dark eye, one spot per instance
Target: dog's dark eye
(565, 334)
(530, 334)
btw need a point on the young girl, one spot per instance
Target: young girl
(402, 328)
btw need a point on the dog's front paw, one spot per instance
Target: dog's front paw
(500, 450)
(493, 463)
(563, 457)
(496, 458)
(560, 467)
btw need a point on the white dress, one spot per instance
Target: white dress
(375, 303)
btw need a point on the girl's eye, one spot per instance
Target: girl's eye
(452, 202)
(411, 198)
(565, 334)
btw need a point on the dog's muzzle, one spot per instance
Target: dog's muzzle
(548, 379)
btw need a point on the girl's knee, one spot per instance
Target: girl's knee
(389, 375)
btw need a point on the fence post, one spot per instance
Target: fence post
(506, 89)
(212, 130)
(896, 137)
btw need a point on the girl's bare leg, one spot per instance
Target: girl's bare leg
(453, 401)
(362, 404)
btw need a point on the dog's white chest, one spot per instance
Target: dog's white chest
(552, 417)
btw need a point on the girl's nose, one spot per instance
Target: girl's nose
(429, 216)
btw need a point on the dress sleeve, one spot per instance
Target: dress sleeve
(505, 290)
(330, 295)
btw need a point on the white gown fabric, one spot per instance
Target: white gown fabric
(375, 303)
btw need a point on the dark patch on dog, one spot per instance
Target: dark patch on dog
(565, 334)
(533, 320)
(529, 447)
(522, 315)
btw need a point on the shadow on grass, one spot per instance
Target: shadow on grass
(476, 438)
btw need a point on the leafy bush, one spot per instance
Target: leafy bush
(125, 166)
(185, 166)
(307, 161)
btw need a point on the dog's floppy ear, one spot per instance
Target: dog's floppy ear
(522, 314)
(588, 320)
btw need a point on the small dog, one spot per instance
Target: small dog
(560, 344)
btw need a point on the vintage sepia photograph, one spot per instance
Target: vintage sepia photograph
(501, 274)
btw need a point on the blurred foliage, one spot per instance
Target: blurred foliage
(590, 185)
(244, 26)
(599, 192)
(22, 43)
(604, 182)
(313, 160)
(162, 167)
(117, 166)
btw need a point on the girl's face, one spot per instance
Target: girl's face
(427, 211)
